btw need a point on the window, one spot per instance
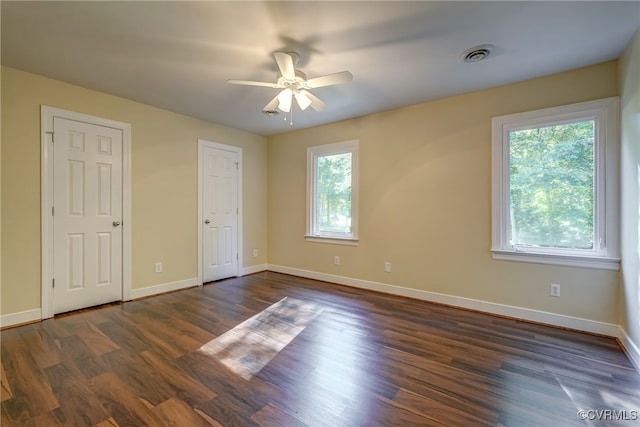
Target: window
(332, 193)
(555, 185)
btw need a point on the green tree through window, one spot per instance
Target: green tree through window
(334, 193)
(552, 185)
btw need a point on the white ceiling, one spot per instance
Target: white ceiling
(179, 55)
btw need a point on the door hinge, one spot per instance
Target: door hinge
(53, 283)
(237, 167)
(52, 136)
(53, 210)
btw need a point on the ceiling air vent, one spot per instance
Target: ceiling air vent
(477, 54)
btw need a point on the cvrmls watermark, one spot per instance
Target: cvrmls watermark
(609, 414)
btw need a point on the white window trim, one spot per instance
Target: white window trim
(323, 150)
(606, 253)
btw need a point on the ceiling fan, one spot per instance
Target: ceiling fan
(294, 84)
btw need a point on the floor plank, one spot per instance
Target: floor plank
(361, 359)
(5, 387)
(175, 412)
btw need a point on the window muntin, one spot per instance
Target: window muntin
(555, 186)
(332, 192)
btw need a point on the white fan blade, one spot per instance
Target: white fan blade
(316, 103)
(303, 100)
(330, 79)
(251, 83)
(285, 64)
(272, 104)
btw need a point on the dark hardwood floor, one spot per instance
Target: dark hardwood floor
(327, 356)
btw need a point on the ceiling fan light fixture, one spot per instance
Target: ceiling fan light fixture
(284, 100)
(303, 100)
(477, 53)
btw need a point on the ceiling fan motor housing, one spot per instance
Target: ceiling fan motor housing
(299, 82)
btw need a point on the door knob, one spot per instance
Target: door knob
(116, 223)
(206, 221)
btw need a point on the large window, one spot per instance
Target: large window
(555, 185)
(332, 172)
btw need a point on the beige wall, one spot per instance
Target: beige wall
(425, 194)
(164, 184)
(630, 190)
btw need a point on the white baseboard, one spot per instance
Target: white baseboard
(165, 287)
(630, 347)
(252, 269)
(537, 316)
(14, 319)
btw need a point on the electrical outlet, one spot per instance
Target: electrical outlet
(555, 290)
(255, 252)
(336, 260)
(158, 267)
(387, 267)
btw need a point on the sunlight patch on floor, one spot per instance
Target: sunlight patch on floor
(251, 345)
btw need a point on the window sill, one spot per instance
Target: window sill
(332, 240)
(601, 263)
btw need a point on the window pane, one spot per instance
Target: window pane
(552, 186)
(333, 194)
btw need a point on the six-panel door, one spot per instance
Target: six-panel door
(220, 214)
(88, 213)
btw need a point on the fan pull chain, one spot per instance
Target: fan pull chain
(290, 117)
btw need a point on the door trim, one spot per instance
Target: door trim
(202, 143)
(47, 114)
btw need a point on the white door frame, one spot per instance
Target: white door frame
(46, 139)
(202, 143)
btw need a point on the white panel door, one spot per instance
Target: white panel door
(87, 201)
(219, 214)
